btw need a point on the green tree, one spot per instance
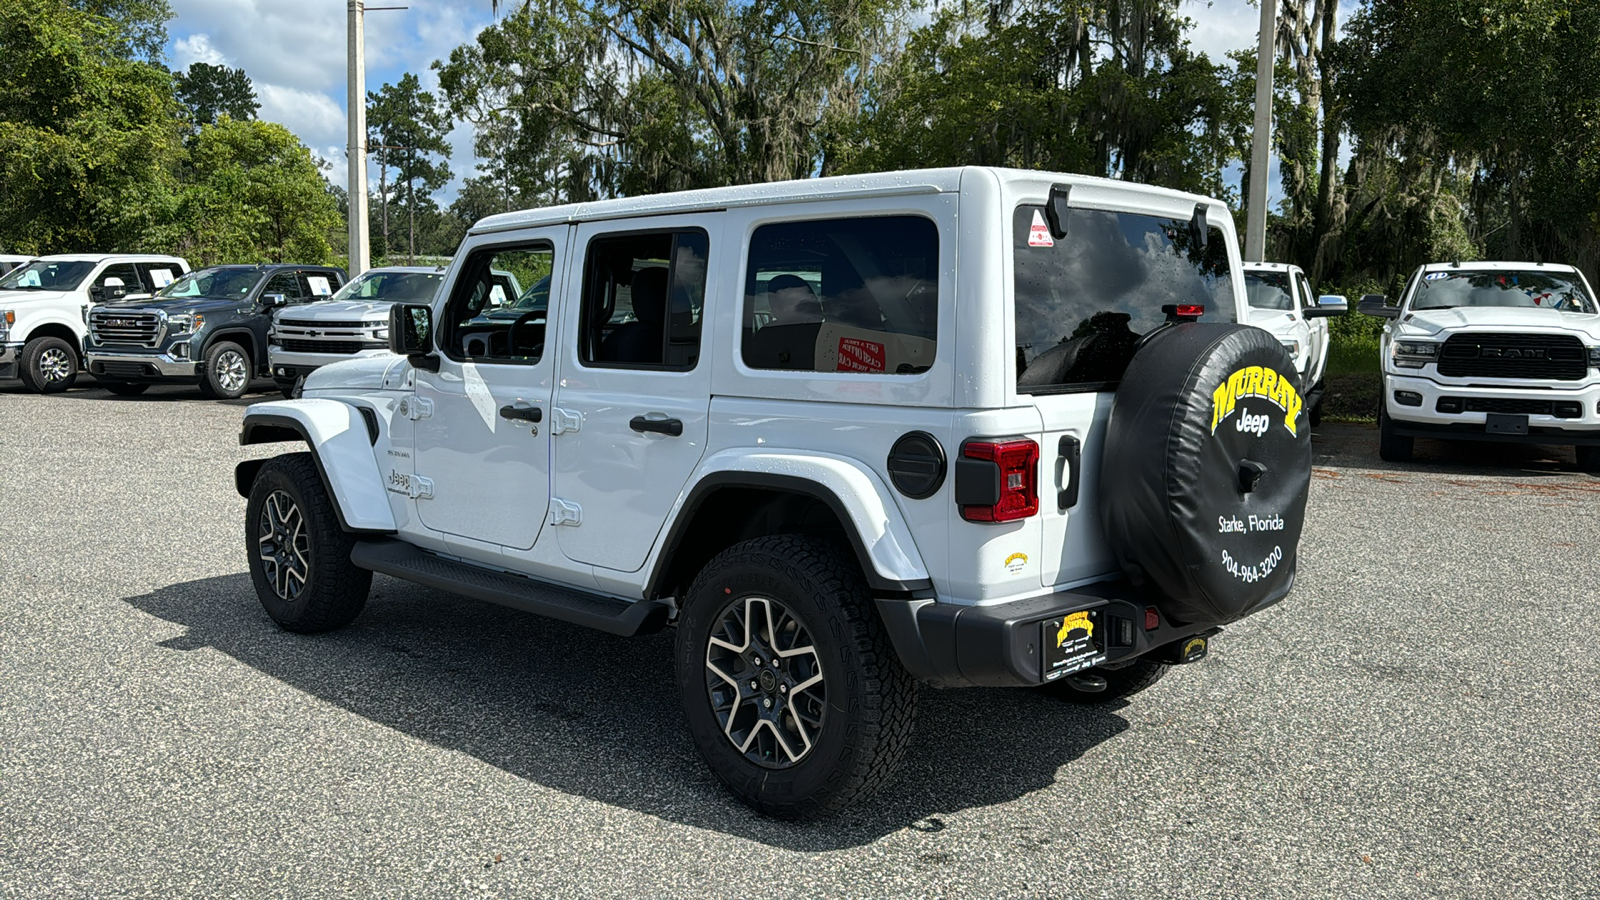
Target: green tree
(209, 92)
(257, 196)
(88, 144)
(407, 129)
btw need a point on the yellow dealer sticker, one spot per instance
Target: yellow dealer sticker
(1257, 381)
(1073, 622)
(1015, 562)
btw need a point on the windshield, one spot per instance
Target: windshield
(219, 284)
(392, 287)
(1268, 290)
(1083, 301)
(1529, 289)
(536, 297)
(47, 276)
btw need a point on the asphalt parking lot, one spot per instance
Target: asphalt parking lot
(1419, 718)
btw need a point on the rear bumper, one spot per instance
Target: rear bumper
(140, 367)
(1001, 645)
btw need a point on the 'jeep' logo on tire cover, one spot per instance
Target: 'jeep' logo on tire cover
(1256, 381)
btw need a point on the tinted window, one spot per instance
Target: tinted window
(1528, 289)
(643, 296)
(479, 323)
(392, 287)
(1083, 301)
(219, 283)
(158, 275)
(843, 295)
(46, 276)
(288, 284)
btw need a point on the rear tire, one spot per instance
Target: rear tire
(1392, 447)
(226, 374)
(1588, 459)
(49, 365)
(125, 388)
(299, 556)
(789, 683)
(1120, 683)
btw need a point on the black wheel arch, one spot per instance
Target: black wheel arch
(57, 330)
(245, 337)
(725, 508)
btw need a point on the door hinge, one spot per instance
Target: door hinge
(420, 488)
(415, 408)
(565, 420)
(565, 513)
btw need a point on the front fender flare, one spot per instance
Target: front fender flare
(880, 537)
(340, 443)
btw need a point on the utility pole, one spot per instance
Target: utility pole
(360, 252)
(355, 51)
(1255, 227)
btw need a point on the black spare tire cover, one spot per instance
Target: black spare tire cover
(1206, 467)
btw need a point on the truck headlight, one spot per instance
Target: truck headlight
(184, 323)
(8, 318)
(1413, 354)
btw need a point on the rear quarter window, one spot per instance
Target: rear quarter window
(1084, 300)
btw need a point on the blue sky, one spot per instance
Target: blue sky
(294, 52)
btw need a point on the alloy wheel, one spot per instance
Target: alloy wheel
(284, 546)
(764, 679)
(54, 366)
(231, 371)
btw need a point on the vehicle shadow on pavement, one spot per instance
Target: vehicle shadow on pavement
(1341, 444)
(598, 716)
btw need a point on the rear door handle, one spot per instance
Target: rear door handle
(1071, 450)
(525, 413)
(669, 427)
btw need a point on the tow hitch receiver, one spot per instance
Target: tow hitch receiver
(1191, 649)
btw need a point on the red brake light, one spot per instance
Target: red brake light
(1152, 619)
(1018, 461)
(1191, 310)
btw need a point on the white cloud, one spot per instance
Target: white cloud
(196, 48)
(315, 117)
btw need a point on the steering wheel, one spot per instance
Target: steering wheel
(531, 317)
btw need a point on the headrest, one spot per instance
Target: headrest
(650, 295)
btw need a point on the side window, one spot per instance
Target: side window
(643, 299)
(320, 285)
(843, 295)
(287, 284)
(125, 273)
(499, 308)
(1308, 300)
(157, 275)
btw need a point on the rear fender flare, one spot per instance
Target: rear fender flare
(340, 443)
(858, 497)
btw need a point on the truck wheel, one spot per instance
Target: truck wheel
(1123, 682)
(790, 686)
(299, 556)
(1588, 459)
(125, 388)
(1392, 447)
(49, 365)
(226, 374)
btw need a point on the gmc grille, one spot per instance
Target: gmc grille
(294, 345)
(125, 329)
(1557, 357)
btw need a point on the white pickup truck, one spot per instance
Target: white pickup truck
(1497, 351)
(44, 309)
(1282, 302)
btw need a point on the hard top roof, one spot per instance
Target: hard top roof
(918, 181)
(1269, 267)
(1496, 266)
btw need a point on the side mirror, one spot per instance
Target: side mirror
(273, 301)
(411, 334)
(1328, 306)
(1377, 305)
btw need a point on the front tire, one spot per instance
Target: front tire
(791, 688)
(125, 388)
(49, 365)
(226, 374)
(1120, 683)
(299, 556)
(1588, 459)
(1392, 447)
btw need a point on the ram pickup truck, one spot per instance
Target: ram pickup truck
(44, 309)
(208, 328)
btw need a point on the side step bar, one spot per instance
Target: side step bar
(607, 614)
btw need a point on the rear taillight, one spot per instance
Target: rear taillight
(1004, 476)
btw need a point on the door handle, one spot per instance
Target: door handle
(669, 427)
(525, 413)
(1071, 449)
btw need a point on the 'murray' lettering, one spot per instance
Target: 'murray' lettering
(1257, 381)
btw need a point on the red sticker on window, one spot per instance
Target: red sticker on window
(861, 356)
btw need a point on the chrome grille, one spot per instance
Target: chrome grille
(308, 323)
(296, 345)
(125, 328)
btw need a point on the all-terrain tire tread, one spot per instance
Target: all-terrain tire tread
(338, 588)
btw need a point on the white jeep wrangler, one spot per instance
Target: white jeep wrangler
(44, 309)
(975, 427)
(1498, 351)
